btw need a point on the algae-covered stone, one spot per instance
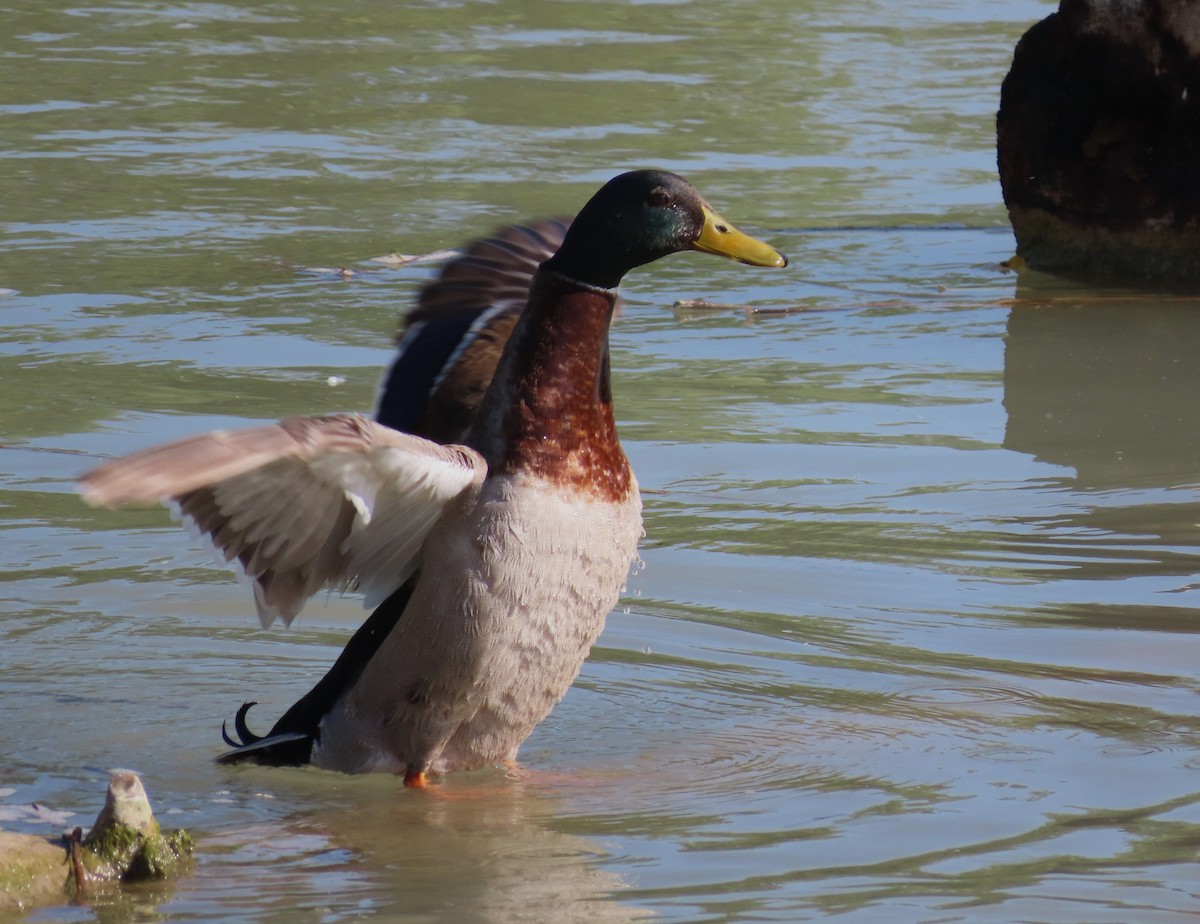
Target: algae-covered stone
(32, 871)
(126, 842)
(124, 845)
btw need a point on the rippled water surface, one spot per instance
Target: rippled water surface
(916, 637)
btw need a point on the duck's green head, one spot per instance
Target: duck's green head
(641, 216)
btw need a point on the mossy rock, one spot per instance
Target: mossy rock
(33, 872)
(127, 854)
(125, 845)
(126, 842)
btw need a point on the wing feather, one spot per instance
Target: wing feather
(308, 503)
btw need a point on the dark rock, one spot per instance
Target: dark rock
(1098, 140)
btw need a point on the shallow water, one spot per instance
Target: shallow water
(916, 636)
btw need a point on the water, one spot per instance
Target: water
(915, 639)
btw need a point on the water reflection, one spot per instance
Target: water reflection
(1104, 384)
(1101, 385)
(478, 848)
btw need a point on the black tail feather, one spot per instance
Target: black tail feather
(244, 735)
(290, 742)
(278, 749)
(290, 749)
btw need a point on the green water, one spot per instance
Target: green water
(916, 636)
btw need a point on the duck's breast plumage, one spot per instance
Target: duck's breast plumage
(513, 593)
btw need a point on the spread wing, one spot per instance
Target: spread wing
(307, 503)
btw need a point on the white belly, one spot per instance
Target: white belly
(513, 592)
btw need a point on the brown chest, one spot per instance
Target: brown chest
(549, 414)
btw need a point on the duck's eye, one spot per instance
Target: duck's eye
(659, 197)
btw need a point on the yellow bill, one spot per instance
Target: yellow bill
(723, 239)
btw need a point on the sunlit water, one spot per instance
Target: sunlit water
(915, 638)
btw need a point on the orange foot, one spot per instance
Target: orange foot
(416, 779)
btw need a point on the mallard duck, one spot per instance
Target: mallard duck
(494, 562)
